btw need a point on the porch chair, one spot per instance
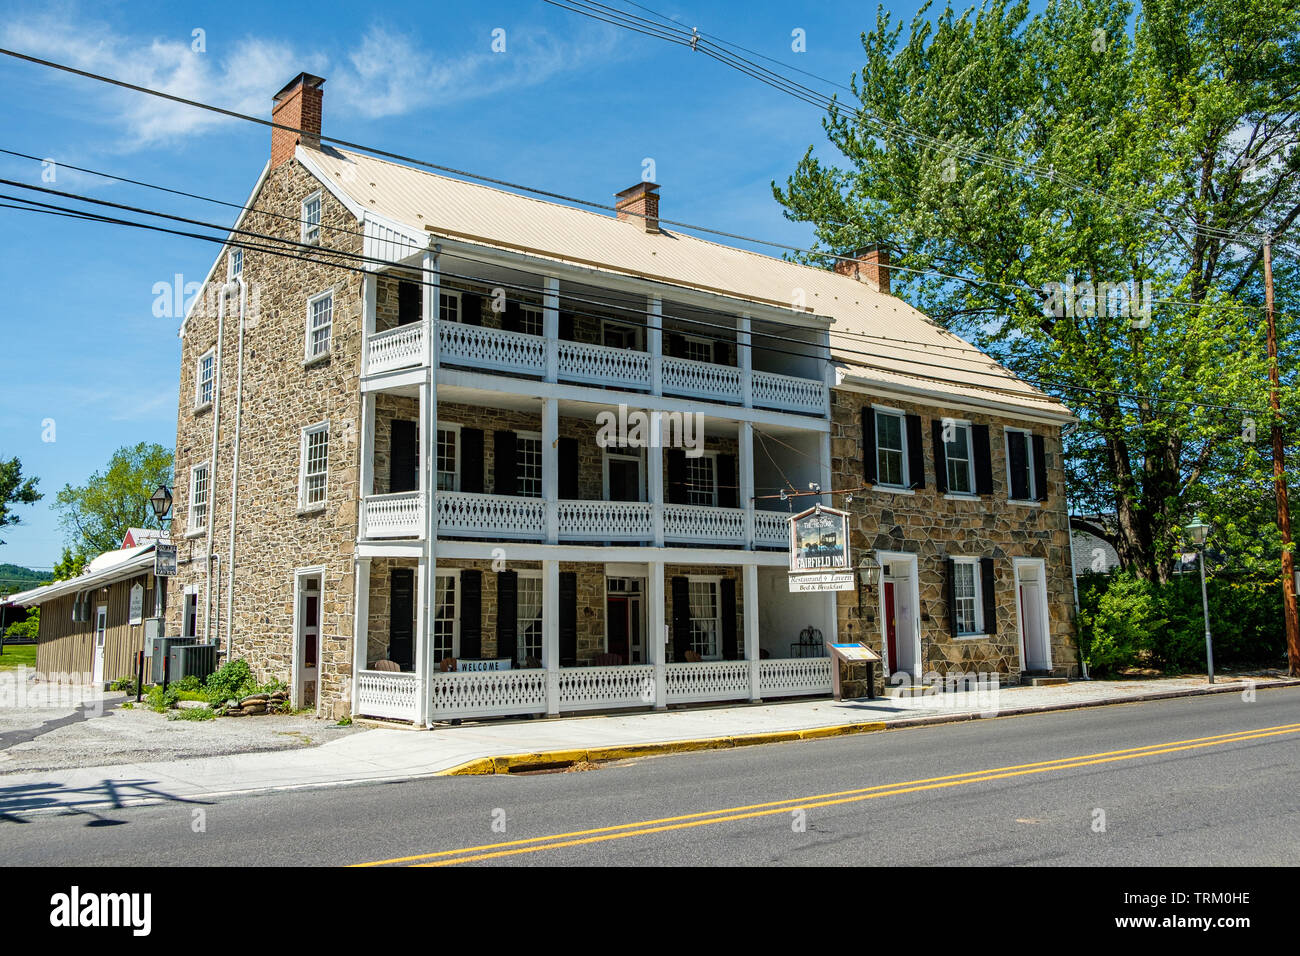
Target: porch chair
(386, 665)
(693, 657)
(607, 660)
(447, 665)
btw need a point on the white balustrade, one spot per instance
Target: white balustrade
(389, 694)
(793, 677)
(603, 365)
(772, 528)
(596, 688)
(699, 523)
(392, 516)
(490, 516)
(487, 694)
(496, 349)
(606, 520)
(701, 380)
(708, 680)
(402, 347)
(788, 393)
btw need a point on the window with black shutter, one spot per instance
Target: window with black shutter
(730, 645)
(401, 617)
(915, 453)
(728, 490)
(568, 466)
(990, 603)
(471, 460)
(566, 327)
(471, 614)
(410, 307)
(510, 319)
(568, 618)
(471, 308)
(677, 486)
(508, 615)
(681, 592)
(983, 459)
(1018, 465)
(940, 458)
(868, 444)
(505, 463)
(403, 456)
(1040, 468)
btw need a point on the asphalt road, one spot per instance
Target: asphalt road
(1194, 781)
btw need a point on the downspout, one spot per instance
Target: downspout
(212, 464)
(234, 471)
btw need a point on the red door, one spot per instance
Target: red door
(891, 633)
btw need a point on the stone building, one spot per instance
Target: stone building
(446, 451)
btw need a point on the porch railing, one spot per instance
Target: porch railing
(794, 677)
(597, 688)
(487, 694)
(402, 347)
(495, 349)
(388, 694)
(720, 383)
(603, 365)
(490, 516)
(708, 680)
(704, 524)
(788, 393)
(606, 520)
(771, 528)
(393, 516)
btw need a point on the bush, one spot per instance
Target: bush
(193, 713)
(127, 684)
(160, 700)
(229, 680)
(189, 683)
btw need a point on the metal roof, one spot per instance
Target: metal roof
(107, 568)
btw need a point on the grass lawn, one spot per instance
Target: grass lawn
(18, 655)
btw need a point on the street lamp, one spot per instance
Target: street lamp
(868, 571)
(162, 503)
(1198, 531)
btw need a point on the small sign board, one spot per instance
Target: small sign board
(819, 541)
(855, 652)
(164, 560)
(807, 583)
(136, 615)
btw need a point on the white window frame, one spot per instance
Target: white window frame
(450, 295)
(633, 455)
(199, 402)
(455, 473)
(970, 459)
(974, 565)
(637, 338)
(195, 525)
(1032, 482)
(530, 313)
(906, 485)
(521, 651)
(455, 616)
(308, 357)
(520, 437)
(311, 232)
(713, 497)
(235, 253)
(698, 340)
(307, 432)
(715, 581)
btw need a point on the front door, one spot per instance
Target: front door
(618, 637)
(308, 639)
(101, 635)
(401, 617)
(891, 627)
(1033, 634)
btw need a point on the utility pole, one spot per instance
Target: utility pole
(1279, 475)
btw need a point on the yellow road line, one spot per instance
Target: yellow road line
(684, 821)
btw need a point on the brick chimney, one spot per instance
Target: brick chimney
(297, 105)
(869, 264)
(639, 204)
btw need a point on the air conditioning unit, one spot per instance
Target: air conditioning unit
(158, 654)
(197, 660)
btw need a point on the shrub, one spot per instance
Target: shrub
(193, 713)
(127, 684)
(229, 680)
(189, 683)
(160, 700)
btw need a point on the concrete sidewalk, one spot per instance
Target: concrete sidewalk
(491, 747)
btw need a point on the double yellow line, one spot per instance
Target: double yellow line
(622, 831)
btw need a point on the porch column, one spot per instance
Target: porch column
(654, 455)
(551, 634)
(656, 635)
(551, 467)
(551, 325)
(366, 484)
(746, 470)
(824, 454)
(654, 343)
(425, 589)
(750, 589)
(360, 627)
(370, 308)
(745, 359)
(423, 622)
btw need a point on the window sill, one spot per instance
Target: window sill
(1028, 503)
(894, 489)
(316, 359)
(961, 496)
(307, 510)
(205, 407)
(972, 637)
(195, 533)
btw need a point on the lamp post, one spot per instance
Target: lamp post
(161, 500)
(1198, 531)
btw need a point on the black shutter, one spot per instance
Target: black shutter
(728, 492)
(471, 614)
(868, 444)
(1040, 469)
(681, 618)
(676, 459)
(915, 452)
(952, 596)
(403, 456)
(940, 456)
(722, 353)
(568, 618)
(510, 320)
(979, 435)
(410, 307)
(568, 465)
(507, 614)
(471, 308)
(990, 603)
(1018, 465)
(566, 327)
(676, 346)
(729, 649)
(401, 617)
(471, 460)
(505, 464)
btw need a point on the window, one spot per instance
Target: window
(698, 350)
(235, 262)
(320, 321)
(1021, 485)
(891, 458)
(704, 617)
(701, 481)
(618, 336)
(190, 614)
(528, 464)
(960, 461)
(447, 471)
(449, 307)
(530, 320)
(966, 591)
(529, 617)
(198, 497)
(444, 617)
(311, 218)
(204, 377)
(315, 465)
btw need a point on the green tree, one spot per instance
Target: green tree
(25, 629)
(1021, 152)
(15, 490)
(96, 515)
(70, 565)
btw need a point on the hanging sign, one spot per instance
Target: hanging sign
(819, 551)
(164, 560)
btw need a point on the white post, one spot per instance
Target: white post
(657, 632)
(428, 480)
(551, 467)
(750, 595)
(360, 627)
(366, 484)
(654, 455)
(746, 470)
(654, 343)
(551, 634)
(423, 624)
(745, 359)
(370, 308)
(551, 325)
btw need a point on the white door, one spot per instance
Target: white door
(1033, 626)
(101, 635)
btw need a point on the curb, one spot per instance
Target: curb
(556, 759)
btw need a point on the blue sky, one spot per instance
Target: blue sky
(572, 105)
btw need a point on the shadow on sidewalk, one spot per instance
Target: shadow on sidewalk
(106, 795)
